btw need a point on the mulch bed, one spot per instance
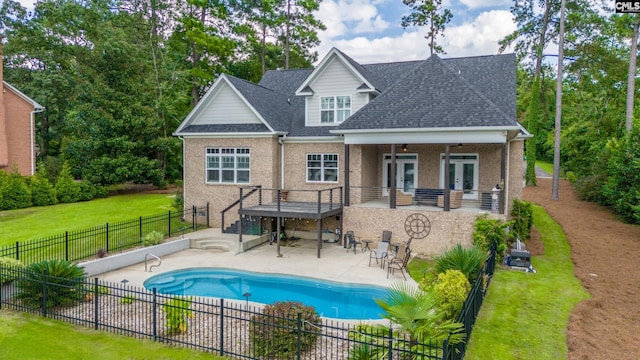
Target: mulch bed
(606, 254)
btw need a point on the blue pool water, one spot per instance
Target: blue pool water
(330, 299)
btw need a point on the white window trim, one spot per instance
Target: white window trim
(322, 168)
(220, 155)
(335, 109)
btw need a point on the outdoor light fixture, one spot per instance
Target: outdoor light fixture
(404, 147)
(460, 145)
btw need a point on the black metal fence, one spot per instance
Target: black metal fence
(472, 305)
(87, 243)
(234, 329)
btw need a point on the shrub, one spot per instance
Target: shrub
(178, 200)
(177, 312)
(130, 299)
(452, 288)
(64, 284)
(152, 238)
(8, 267)
(67, 190)
(42, 191)
(274, 333)
(489, 231)
(522, 215)
(15, 192)
(468, 261)
(370, 342)
(87, 191)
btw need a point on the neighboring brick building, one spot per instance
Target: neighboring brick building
(17, 128)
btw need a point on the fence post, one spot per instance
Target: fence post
(445, 349)
(17, 250)
(221, 327)
(207, 215)
(140, 232)
(66, 245)
(107, 243)
(44, 294)
(155, 316)
(299, 325)
(390, 343)
(169, 219)
(193, 217)
(96, 308)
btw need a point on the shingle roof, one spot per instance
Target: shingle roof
(433, 95)
(456, 92)
(225, 128)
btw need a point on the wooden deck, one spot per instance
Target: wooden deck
(301, 210)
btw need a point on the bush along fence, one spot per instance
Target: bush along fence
(472, 305)
(234, 329)
(99, 240)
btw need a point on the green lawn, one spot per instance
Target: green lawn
(548, 167)
(25, 337)
(525, 315)
(37, 222)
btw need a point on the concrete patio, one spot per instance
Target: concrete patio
(336, 263)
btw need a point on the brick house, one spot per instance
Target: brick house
(17, 128)
(364, 147)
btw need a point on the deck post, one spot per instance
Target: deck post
(278, 227)
(319, 236)
(346, 175)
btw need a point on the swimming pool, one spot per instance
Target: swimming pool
(330, 299)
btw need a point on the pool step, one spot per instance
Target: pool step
(220, 245)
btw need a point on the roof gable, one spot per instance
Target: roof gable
(227, 106)
(363, 76)
(21, 95)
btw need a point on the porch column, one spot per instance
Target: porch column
(392, 177)
(447, 188)
(346, 175)
(503, 173)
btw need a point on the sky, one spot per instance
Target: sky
(370, 31)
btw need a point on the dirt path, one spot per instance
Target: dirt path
(606, 254)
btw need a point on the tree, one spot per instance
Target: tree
(631, 74)
(556, 147)
(428, 13)
(300, 29)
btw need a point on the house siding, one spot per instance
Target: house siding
(17, 125)
(264, 167)
(229, 109)
(336, 80)
(295, 160)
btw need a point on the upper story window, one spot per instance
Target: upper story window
(322, 167)
(228, 165)
(334, 109)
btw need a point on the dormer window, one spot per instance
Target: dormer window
(334, 109)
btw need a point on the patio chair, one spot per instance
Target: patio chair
(379, 253)
(399, 265)
(351, 241)
(397, 255)
(386, 236)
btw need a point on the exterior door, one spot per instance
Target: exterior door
(406, 173)
(463, 174)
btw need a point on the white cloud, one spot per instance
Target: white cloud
(477, 4)
(479, 37)
(350, 17)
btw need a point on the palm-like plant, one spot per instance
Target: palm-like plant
(52, 283)
(418, 314)
(468, 260)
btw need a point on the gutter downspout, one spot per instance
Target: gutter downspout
(32, 126)
(506, 180)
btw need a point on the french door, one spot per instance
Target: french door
(463, 174)
(406, 173)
